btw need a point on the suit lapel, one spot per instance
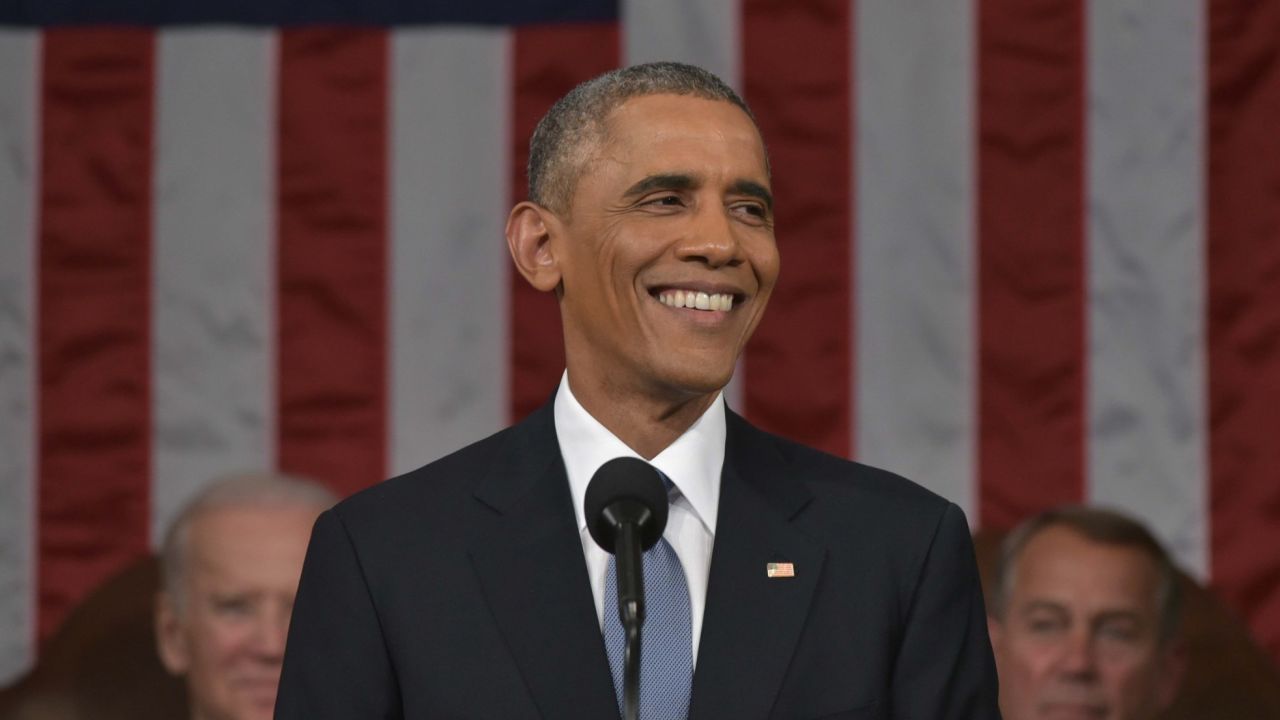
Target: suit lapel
(530, 564)
(752, 621)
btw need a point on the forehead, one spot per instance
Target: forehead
(651, 132)
(1062, 566)
(247, 544)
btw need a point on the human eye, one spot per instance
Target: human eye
(753, 211)
(664, 200)
(1045, 623)
(1118, 631)
(232, 605)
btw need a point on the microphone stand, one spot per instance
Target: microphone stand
(631, 612)
(626, 502)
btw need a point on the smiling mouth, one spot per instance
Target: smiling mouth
(696, 300)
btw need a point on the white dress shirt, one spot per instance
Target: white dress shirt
(693, 463)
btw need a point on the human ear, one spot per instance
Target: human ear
(995, 632)
(171, 640)
(530, 229)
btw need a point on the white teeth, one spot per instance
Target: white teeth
(696, 300)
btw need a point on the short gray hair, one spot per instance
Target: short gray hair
(558, 147)
(1104, 526)
(240, 490)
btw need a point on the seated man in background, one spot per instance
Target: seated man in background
(1085, 624)
(230, 567)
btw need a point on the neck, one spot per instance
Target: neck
(647, 422)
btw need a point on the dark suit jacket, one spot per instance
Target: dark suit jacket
(460, 591)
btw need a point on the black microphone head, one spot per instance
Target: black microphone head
(626, 488)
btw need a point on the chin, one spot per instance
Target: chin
(259, 710)
(698, 382)
(253, 703)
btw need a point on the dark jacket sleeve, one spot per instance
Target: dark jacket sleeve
(944, 668)
(336, 663)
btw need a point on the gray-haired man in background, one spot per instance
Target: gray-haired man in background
(231, 562)
(1086, 619)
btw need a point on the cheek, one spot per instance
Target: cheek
(766, 265)
(1029, 662)
(1128, 679)
(1032, 661)
(1024, 670)
(221, 642)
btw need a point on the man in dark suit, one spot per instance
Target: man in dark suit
(470, 588)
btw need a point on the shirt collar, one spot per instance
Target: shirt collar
(693, 462)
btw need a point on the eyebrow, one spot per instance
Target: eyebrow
(755, 190)
(1042, 605)
(1106, 616)
(665, 181)
(1102, 617)
(683, 181)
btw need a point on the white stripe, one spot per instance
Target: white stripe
(706, 33)
(699, 32)
(1147, 437)
(914, 261)
(19, 139)
(213, 327)
(449, 266)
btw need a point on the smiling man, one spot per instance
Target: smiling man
(1086, 623)
(804, 585)
(230, 569)
(663, 258)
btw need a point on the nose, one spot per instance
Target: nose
(711, 238)
(270, 630)
(1078, 659)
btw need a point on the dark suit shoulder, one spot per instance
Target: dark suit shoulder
(439, 501)
(437, 483)
(888, 524)
(833, 478)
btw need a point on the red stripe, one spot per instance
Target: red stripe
(548, 62)
(332, 260)
(1031, 257)
(94, 311)
(1244, 309)
(797, 67)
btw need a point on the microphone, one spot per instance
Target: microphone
(626, 511)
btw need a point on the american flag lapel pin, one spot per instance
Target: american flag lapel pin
(780, 570)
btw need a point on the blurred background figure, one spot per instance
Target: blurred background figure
(230, 566)
(1086, 619)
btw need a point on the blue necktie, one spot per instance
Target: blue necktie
(666, 661)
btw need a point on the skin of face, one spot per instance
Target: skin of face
(228, 636)
(675, 196)
(1080, 634)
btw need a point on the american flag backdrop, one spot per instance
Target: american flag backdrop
(1031, 254)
